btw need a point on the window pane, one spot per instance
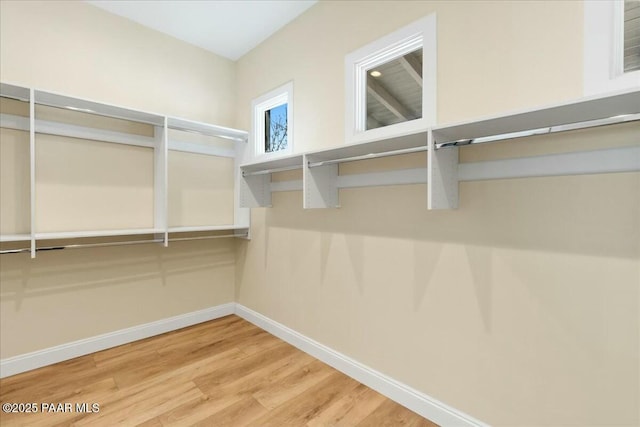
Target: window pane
(394, 91)
(631, 35)
(275, 129)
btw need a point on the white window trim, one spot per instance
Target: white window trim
(419, 34)
(278, 96)
(603, 47)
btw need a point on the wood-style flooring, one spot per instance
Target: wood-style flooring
(226, 372)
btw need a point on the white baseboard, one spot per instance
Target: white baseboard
(49, 356)
(418, 402)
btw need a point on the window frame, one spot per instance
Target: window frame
(604, 49)
(279, 96)
(419, 34)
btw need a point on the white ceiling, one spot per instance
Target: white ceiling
(229, 28)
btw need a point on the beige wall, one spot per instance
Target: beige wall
(200, 189)
(522, 307)
(90, 185)
(62, 296)
(77, 49)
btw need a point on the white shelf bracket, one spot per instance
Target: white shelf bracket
(32, 169)
(161, 181)
(442, 179)
(320, 185)
(241, 214)
(255, 191)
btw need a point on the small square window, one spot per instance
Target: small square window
(391, 84)
(394, 91)
(272, 122)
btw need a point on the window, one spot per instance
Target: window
(394, 91)
(611, 45)
(391, 84)
(275, 129)
(631, 56)
(272, 122)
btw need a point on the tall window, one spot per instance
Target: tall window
(611, 46)
(631, 35)
(275, 129)
(272, 122)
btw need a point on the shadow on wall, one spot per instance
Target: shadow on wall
(597, 215)
(593, 215)
(74, 270)
(530, 282)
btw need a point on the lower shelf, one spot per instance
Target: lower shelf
(160, 236)
(189, 229)
(97, 233)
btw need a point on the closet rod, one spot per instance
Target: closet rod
(179, 239)
(125, 243)
(266, 171)
(82, 245)
(540, 131)
(211, 134)
(369, 156)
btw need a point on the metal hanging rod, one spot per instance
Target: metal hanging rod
(208, 237)
(266, 171)
(15, 97)
(184, 125)
(124, 243)
(211, 134)
(369, 156)
(82, 245)
(14, 251)
(540, 131)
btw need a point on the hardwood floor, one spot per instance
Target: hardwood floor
(226, 372)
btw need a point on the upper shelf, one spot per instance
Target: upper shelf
(99, 108)
(586, 112)
(391, 146)
(14, 92)
(611, 108)
(274, 165)
(207, 129)
(107, 110)
(321, 178)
